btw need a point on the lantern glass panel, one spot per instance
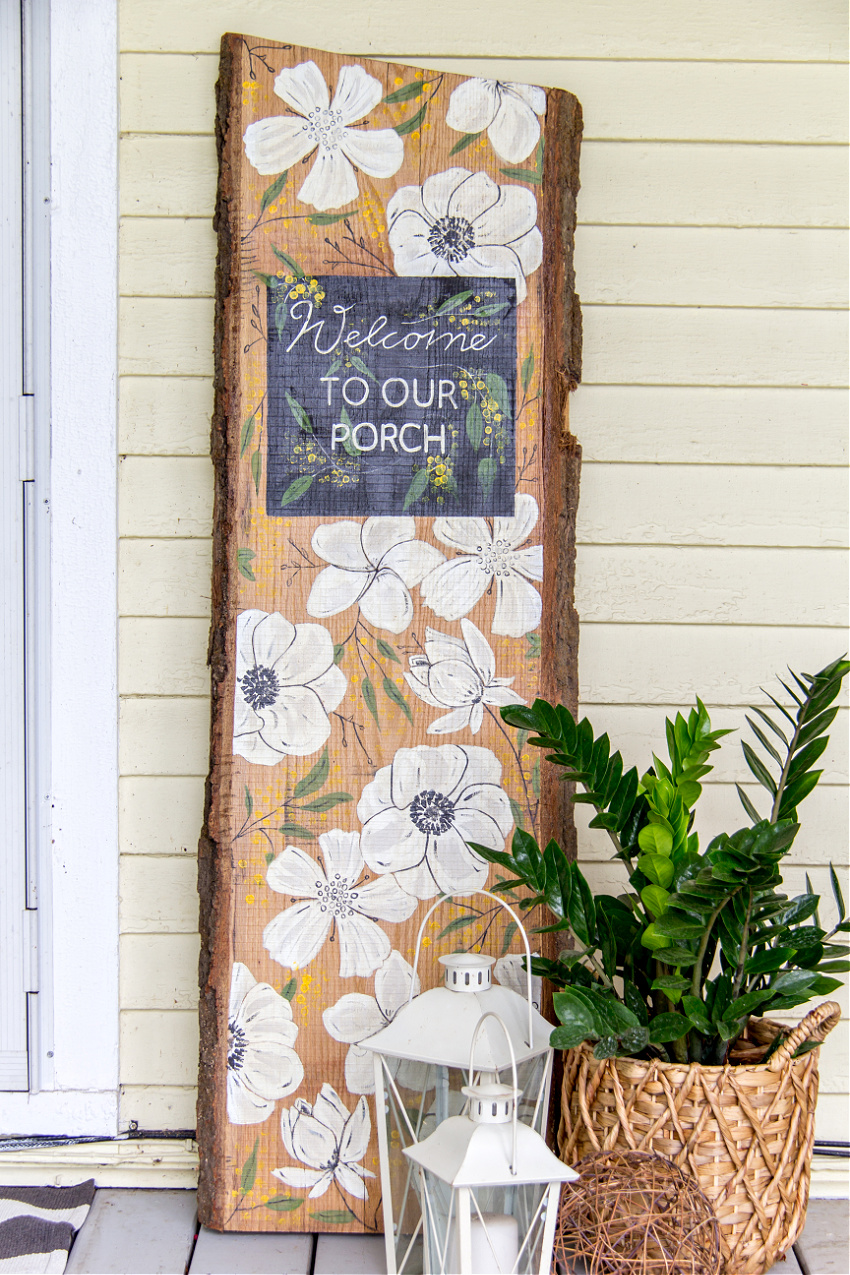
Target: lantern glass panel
(506, 1224)
(419, 1096)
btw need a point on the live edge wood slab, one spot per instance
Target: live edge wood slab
(396, 339)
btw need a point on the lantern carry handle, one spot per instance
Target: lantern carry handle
(482, 1020)
(464, 894)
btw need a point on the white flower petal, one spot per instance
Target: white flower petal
(341, 853)
(486, 825)
(353, 1018)
(330, 688)
(303, 88)
(356, 94)
(531, 94)
(517, 529)
(254, 749)
(297, 723)
(379, 535)
(459, 719)
(334, 590)
(245, 720)
(331, 182)
(321, 1186)
(480, 651)
(506, 219)
(331, 1111)
(420, 688)
(350, 1182)
(501, 263)
(260, 638)
(309, 655)
(413, 257)
(265, 1016)
(390, 840)
(419, 881)
(454, 865)
(529, 562)
(243, 1106)
(359, 1070)
(339, 543)
(515, 131)
(476, 717)
(241, 982)
(412, 560)
(272, 1071)
(295, 937)
(294, 872)
(405, 199)
(442, 646)
(453, 589)
(424, 768)
(455, 683)
(518, 606)
(392, 985)
(300, 1179)
(472, 198)
(363, 946)
(438, 190)
(387, 603)
(473, 106)
(375, 797)
(354, 1142)
(273, 145)
(468, 535)
(382, 899)
(378, 152)
(501, 695)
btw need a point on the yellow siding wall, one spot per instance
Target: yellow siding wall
(711, 263)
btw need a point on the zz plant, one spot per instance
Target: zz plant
(702, 940)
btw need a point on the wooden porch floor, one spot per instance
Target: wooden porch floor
(148, 1232)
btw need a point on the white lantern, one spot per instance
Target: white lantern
(489, 1186)
(421, 1059)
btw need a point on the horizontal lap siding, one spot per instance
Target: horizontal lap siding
(711, 260)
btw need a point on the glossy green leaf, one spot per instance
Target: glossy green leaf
(836, 890)
(655, 838)
(655, 899)
(657, 868)
(666, 1027)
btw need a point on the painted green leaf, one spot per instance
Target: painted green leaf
(292, 266)
(270, 280)
(474, 425)
(532, 175)
(328, 219)
(459, 923)
(357, 362)
(297, 830)
(330, 799)
(387, 651)
(499, 389)
(249, 801)
(463, 142)
(348, 442)
(339, 651)
(411, 125)
(314, 779)
(256, 469)
(416, 489)
(371, 702)
(484, 311)
(281, 1204)
(535, 778)
(271, 193)
(269, 856)
(527, 370)
(335, 1217)
(406, 93)
(249, 1169)
(243, 562)
(521, 740)
(289, 989)
(533, 646)
(487, 470)
(281, 314)
(508, 936)
(296, 489)
(247, 434)
(516, 811)
(301, 417)
(393, 693)
(452, 303)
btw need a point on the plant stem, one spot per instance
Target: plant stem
(783, 777)
(742, 955)
(696, 981)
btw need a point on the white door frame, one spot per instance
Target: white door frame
(77, 1038)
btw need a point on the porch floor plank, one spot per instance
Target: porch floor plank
(236, 1253)
(350, 1255)
(825, 1242)
(135, 1232)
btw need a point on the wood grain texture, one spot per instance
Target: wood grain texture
(371, 735)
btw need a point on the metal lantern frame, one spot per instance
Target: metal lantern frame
(470, 1155)
(440, 1056)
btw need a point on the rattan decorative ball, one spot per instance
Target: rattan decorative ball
(632, 1213)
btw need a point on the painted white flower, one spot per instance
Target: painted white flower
(262, 1066)
(329, 897)
(462, 223)
(286, 684)
(460, 675)
(510, 972)
(419, 813)
(355, 1017)
(374, 564)
(279, 142)
(453, 589)
(507, 110)
(330, 1139)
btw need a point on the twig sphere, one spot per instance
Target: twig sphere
(633, 1213)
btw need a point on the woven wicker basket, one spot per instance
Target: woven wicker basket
(745, 1132)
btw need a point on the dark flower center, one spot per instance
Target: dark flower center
(451, 238)
(432, 812)
(237, 1043)
(260, 686)
(336, 895)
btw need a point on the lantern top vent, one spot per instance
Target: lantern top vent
(468, 971)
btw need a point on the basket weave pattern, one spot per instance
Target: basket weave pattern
(745, 1132)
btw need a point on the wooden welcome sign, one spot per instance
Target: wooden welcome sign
(396, 487)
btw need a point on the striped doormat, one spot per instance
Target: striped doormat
(37, 1225)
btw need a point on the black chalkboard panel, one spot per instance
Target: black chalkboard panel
(390, 396)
